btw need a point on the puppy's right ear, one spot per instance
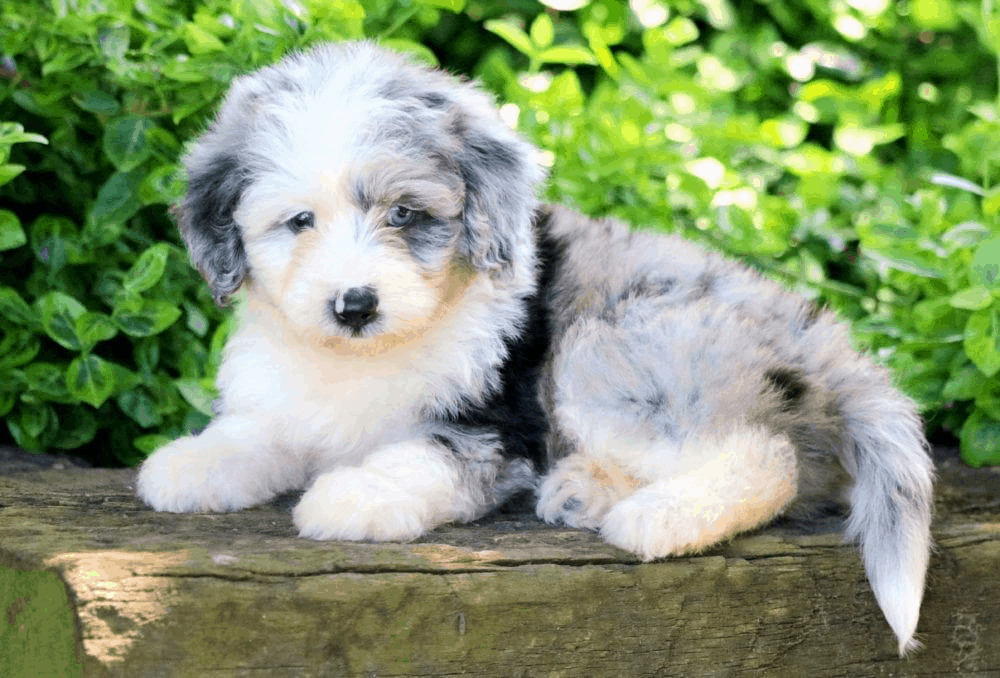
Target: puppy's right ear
(216, 181)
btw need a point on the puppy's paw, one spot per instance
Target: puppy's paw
(641, 525)
(579, 492)
(563, 500)
(355, 504)
(188, 476)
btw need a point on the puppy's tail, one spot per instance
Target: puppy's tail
(886, 452)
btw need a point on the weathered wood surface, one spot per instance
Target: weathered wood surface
(239, 595)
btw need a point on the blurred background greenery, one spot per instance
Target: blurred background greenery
(848, 148)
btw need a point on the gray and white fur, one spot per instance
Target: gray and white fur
(419, 340)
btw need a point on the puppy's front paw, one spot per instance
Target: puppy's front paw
(579, 492)
(175, 479)
(563, 499)
(355, 504)
(193, 474)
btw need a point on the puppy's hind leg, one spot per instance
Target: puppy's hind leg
(726, 485)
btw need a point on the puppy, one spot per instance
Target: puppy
(420, 340)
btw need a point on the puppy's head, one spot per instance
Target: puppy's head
(355, 192)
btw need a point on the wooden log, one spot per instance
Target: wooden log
(93, 583)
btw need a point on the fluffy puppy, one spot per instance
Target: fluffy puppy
(420, 340)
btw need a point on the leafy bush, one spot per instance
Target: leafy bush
(851, 150)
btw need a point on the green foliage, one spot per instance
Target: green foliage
(851, 150)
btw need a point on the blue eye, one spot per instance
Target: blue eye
(400, 216)
(301, 221)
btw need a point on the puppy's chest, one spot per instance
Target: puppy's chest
(311, 383)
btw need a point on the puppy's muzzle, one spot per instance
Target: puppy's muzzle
(355, 308)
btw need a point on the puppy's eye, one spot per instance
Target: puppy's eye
(400, 216)
(301, 221)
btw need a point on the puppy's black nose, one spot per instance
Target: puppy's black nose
(356, 307)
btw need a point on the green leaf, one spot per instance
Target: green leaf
(513, 34)
(8, 172)
(35, 419)
(96, 101)
(565, 5)
(151, 318)
(139, 407)
(965, 234)
(992, 33)
(48, 382)
(952, 181)
(90, 379)
(200, 41)
(77, 427)
(989, 400)
(11, 233)
(937, 15)
(114, 42)
(972, 298)
(567, 54)
(199, 393)
(161, 185)
(13, 133)
(56, 242)
(183, 69)
(21, 437)
(680, 31)
(980, 440)
(59, 312)
(450, 5)
(784, 132)
(17, 348)
(991, 202)
(196, 320)
(858, 141)
(148, 269)
(982, 340)
(15, 309)
(146, 353)
(151, 443)
(7, 402)
(607, 20)
(68, 60)
(92, 328)
(117, 201)
(125, 142)
(985, 266)
(125, 379)
(542, 30)
(966, 384)
(904, 258)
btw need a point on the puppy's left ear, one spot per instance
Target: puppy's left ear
(216, 182)
(500, 181)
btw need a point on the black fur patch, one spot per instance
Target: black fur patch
(494, 181)
(514, 410)
(643, 288)
(397, 89)
(432, 99)
(790, 383)
(207, 223)
(703, 286)
(812, 315)
(428, 238)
